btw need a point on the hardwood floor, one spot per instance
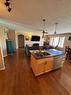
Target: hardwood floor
(18, 78)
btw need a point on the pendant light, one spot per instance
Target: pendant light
(44, 28)
(55, 28)
(8, 5)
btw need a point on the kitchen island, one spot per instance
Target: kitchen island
(46, 60)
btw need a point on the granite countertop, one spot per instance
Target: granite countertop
(47, 53)
(40, 55)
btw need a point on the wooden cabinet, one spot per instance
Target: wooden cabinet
(10, 46)
(45, 61)
(40, 66)
(58, 61)
(48, 64)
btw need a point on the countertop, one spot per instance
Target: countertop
(47, 53)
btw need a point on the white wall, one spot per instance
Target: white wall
(30, 43)
(3, 37)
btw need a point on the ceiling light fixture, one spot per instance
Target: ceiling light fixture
(44, 28)
(8, 5)
(9, 9)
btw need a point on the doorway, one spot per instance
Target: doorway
(20, 41)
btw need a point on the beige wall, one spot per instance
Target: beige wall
(67, 42)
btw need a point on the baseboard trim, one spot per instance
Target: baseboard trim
(3, 68)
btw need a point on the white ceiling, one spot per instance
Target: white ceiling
(27, 15)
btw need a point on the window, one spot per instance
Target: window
(57, 41)
(61, 42)
(51, 42)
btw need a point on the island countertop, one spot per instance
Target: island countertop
(47, 53)
(46, 60)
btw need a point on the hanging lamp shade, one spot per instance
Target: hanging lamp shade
(55, 28)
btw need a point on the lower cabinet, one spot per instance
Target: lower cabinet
(58, 61)
(40, 66)
(48, 64)
(10, 46)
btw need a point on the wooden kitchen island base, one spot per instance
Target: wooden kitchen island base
(41, 65)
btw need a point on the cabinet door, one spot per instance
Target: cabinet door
(40, 67)
(48, 64)
(58, 61)
(10, 48)
(33, 64)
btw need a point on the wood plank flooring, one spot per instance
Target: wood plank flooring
(18, 78)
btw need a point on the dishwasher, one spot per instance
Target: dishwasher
(58, 61)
